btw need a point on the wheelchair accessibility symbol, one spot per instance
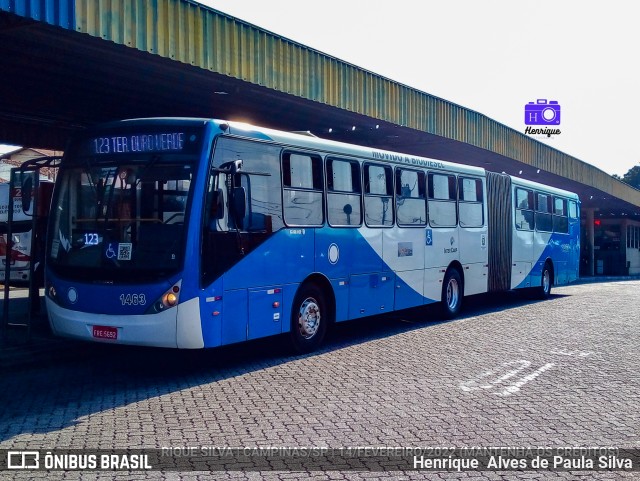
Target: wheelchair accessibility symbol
(429, 237)
(110, 252)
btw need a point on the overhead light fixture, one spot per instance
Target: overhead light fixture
(220, 92)
(353, 128)
(538, 171)
(377, 126)
(330, 130)
(520, 173)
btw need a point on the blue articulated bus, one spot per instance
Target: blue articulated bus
(192, 233)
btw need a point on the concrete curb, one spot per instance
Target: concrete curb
(41, 348)
(601, 279)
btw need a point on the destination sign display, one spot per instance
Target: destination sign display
(131, 140)
(124, 144)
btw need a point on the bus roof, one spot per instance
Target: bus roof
(535, 185)
(340, 148)
(311, 142)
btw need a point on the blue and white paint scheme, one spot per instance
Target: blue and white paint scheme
(193, 233)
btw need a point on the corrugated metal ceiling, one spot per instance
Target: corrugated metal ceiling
(175, 57)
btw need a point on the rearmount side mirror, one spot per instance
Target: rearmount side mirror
(217, 205)
(238, 205)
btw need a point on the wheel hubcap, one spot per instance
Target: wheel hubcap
(309, 318)
(453, 293)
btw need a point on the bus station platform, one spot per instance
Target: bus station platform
(21, 347)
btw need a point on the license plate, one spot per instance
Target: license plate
(105, 332)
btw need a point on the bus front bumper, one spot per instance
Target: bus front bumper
(157, 330)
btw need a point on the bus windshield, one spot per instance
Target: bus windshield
(120, 220)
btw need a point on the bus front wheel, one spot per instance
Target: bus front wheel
(309, 318)
(452, 293)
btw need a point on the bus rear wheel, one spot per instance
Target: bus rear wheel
(309, 318)
(452, 294)
(544, 291)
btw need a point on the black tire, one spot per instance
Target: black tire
(452, 294)
(544, 290)
(310, 315)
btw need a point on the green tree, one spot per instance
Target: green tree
(632, 177)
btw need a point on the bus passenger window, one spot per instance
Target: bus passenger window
(560, 219)
(524, 210)
(411, 205)
(302, 175)
(543, 212)
(378, 195)
(442, 200)
(343, 193)
(573, 210)
(471, 202)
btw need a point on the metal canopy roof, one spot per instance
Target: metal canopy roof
(67, 64)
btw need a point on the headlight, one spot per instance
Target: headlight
(52, 293)
(168, 300)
